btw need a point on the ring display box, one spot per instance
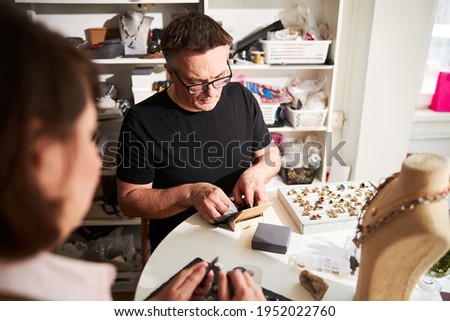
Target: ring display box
(249, 217)
(271, 238)
(245, 218)
(325, 207)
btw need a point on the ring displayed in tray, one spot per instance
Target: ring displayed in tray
(325, 207)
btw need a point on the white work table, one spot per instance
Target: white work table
(197, 238)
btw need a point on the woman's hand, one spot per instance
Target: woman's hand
(187, 285)
(239, 286)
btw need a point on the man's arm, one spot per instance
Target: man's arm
(137, 200)
(251, 183)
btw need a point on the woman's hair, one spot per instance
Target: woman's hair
(44, 80)
(194, 31)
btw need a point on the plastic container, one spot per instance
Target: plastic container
(269, 112)
(280, 52)
(301, 175)
(306, 118)
(320, 263)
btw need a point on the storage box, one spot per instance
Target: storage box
(143, 77)
(325, 207)
(295, 52)
(271, 238)
(269, 112)
(141, 93)
(302, 175)
(306, 118)
(96, 35)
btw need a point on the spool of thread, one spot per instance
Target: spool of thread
(257, 57)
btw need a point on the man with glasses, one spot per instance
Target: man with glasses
(194, 145)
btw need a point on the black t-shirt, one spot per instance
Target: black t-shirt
(163, 143)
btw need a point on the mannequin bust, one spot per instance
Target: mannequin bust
(134, 27)
(398, 252)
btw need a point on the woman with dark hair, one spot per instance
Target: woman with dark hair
(49, 166)
(49, 170)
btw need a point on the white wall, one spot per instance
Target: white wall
(379, 98)
(356, 24)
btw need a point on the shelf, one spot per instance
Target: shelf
(130, 61)
(107, 221)
(280, 67)
(236, 67)
(429, 115)
(108, 1)
(429, 125)
(289, 129)
(277, 182)
(97, 217)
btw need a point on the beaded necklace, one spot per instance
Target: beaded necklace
(364, 231)
(134, 36)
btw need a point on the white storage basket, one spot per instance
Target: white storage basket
(295, 52)
(269, 112)
(306, 118)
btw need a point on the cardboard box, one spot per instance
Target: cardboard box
(142, 77)
(141, 93)
(97, 35)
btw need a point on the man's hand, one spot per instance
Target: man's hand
(187, 285)
(210, 201)
(251, 186)
(251, 183)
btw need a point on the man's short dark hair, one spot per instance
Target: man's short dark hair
(194, 31)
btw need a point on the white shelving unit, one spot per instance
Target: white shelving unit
(71, 18)
(242, 17)
(239, 18)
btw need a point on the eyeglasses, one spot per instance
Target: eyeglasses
(216, 83)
